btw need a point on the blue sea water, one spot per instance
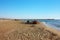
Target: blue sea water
(54, 23)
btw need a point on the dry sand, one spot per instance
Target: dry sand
(16, 30)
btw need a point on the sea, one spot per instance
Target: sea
(53, 23)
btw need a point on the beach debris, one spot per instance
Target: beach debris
(28, 22)
(32, 22)
(35, 22)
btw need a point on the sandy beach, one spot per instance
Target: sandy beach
(16, 30)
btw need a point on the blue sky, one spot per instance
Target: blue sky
(30, 9)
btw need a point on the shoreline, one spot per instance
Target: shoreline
(51, 29)
(14, 29)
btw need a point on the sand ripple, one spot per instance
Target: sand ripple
(30, 34)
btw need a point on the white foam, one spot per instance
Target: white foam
(51, 26)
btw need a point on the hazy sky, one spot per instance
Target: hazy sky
(24, 9)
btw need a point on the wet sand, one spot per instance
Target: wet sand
(16, 30)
